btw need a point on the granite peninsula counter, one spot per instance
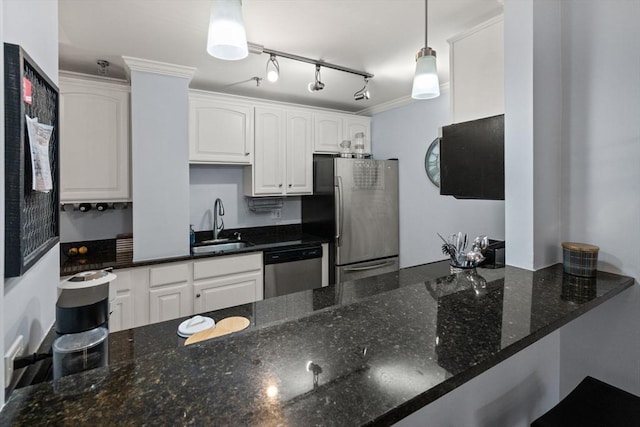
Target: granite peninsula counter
(370, 351)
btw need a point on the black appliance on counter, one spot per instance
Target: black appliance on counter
(82, 317)
(472, 159)
(79, 310)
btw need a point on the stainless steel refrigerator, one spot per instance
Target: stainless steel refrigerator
(355, 205)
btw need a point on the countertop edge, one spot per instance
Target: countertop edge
(407, 408)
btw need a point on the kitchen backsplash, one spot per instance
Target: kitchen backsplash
(78, 226)
(206, 183)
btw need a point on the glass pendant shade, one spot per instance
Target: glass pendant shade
(227, 38)
(425, 82)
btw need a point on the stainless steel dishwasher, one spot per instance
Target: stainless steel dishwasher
(292, 270)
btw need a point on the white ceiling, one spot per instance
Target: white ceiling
(380, 37)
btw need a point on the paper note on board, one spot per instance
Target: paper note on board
(39, 136)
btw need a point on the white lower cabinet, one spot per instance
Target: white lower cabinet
(129, 299)
(227, 281)
(170, 291)
(143, 295)
(169, 302)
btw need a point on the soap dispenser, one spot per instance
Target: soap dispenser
(192, 236)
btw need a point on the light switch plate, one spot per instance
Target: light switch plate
(16, 349)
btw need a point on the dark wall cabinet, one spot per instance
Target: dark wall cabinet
(472, 159)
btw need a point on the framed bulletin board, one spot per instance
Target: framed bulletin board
(32, 178)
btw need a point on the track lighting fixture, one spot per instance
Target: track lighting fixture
(425, 82)
(273, 69)
(317, 85)
(362, 93)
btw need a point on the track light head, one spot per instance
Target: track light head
(317, 84)
(273, 69)
(362, 93)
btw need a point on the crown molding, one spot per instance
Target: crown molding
(396, 103)
(156, 67)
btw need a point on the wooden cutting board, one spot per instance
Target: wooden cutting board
(223, 327)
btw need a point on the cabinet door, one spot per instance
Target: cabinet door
(328, 133)
(170, 290)
(219, 132)
(354, 125)
(477, 72)
(94, 138)
(169, 302)
(121, 302)
(268, 174)
(299, 153)
(227, 291)
(121, 311)
(227, 281)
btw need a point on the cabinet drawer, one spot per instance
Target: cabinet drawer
(166, 275)
(223, 266)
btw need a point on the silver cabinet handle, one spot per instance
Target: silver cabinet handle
(197, 295)
(370, 267)
(280, 185)
(289, 185)
(246, 154)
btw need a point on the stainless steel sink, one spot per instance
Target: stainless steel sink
(216, 248)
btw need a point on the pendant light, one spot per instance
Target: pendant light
(227, 38)
(425, 82)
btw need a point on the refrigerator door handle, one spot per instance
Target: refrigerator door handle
(339, 209)
(369, 267)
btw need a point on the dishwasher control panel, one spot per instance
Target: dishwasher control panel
(289, 255)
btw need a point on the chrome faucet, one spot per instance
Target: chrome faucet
(218, 209)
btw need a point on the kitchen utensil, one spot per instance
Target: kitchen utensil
(223, 327)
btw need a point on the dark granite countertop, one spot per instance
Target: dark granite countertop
(102, 253)
(370, 351)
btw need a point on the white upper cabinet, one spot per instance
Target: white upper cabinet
(283, 163)
(477, 71)
(330, 129)
(268, 167)
(328, 132)
(94, 140)
(299, 153)
(220, 131)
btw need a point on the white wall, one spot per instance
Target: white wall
(27, 302)
(601, 180)
(208, 182)
(547, 133)
(533, 132)
(518, 132)
(160, 165)
(405, 133)
(512, 393)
